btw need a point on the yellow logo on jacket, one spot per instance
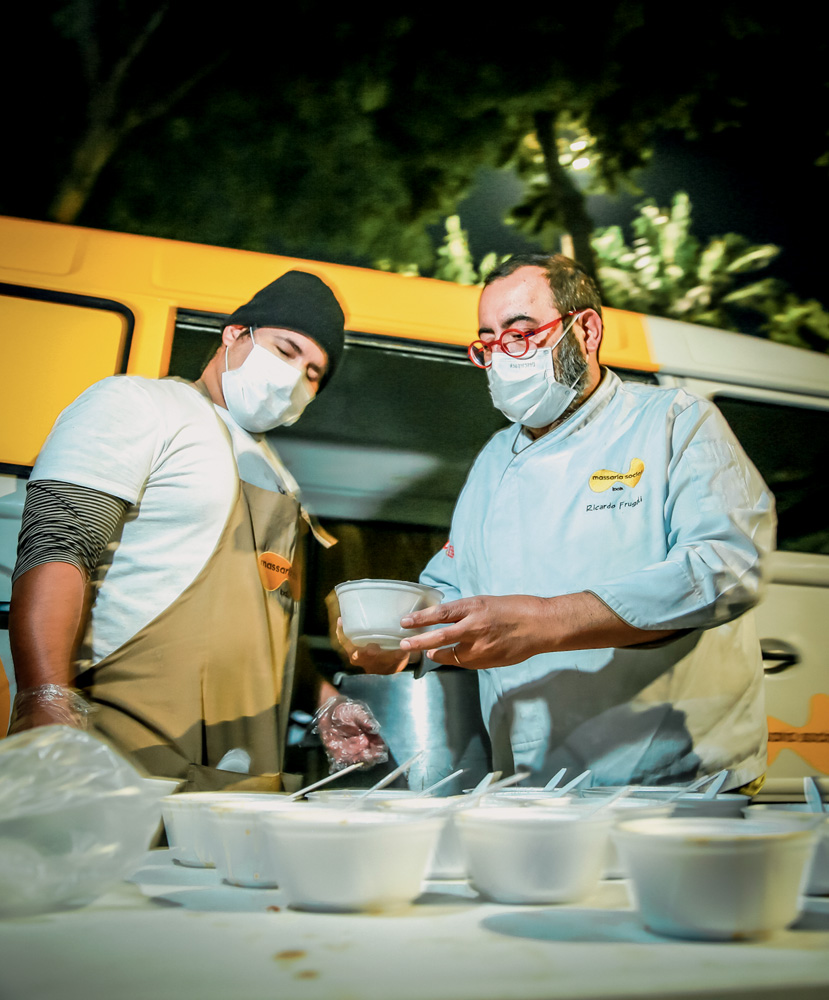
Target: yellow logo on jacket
(273, 570)
(605, 478)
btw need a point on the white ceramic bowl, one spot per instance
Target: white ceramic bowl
(371, 609)
(817, 882)
(338, 861)
(240, 852)
(187, 822)
(518, 854)
(713, 878)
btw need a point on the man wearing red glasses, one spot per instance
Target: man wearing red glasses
(602, 557)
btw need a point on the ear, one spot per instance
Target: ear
(593, 328)
(231, 334)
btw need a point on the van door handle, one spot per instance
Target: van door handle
(778, 655)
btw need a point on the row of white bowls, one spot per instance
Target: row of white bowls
(700, 876)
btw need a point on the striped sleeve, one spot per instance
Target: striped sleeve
(65, 523)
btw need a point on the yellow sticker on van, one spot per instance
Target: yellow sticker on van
(810, 741)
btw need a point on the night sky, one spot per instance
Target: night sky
(737, 182)
(758, 180)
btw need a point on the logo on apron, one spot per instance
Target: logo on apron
(273, 570)
(603, 479)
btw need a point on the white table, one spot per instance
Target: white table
(175, 933)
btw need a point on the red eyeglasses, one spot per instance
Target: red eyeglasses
(516, 343)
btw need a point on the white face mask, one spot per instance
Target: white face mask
(525, 389)
(264, 391)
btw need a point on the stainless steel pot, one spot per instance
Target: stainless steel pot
(438, 713)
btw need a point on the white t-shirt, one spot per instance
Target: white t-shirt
(157, 444)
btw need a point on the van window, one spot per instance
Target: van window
(61, 344)
(196, 338)
(391, 438)
(790, 447)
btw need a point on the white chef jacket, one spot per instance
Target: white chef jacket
(645, 498)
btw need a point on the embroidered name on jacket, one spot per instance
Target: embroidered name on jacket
(603, 479)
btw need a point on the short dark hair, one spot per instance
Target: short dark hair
(571, 285)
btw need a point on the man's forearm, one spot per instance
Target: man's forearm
(45, 622)
(488, 631)
(584, 621)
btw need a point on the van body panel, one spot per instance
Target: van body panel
(153, 279)
(693, 351)
(793, 616)
(797, 697)
(150, 355)
(37, 248)
(217, 280)
(54, 351)
(626, 341)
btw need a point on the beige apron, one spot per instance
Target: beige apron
(213, 671)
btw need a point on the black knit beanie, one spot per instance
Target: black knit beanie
(301, 302)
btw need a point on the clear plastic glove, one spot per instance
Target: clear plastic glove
(49, 705)
(349, 733)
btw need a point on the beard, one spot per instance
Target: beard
(571, 369)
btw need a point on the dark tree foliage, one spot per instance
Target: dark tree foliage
(308, 132)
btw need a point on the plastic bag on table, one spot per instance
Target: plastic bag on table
(350, 733)
(75, 818)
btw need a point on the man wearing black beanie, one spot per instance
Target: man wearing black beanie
(303, 303)
(161, 527)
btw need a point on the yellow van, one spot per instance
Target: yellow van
(386, 448)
